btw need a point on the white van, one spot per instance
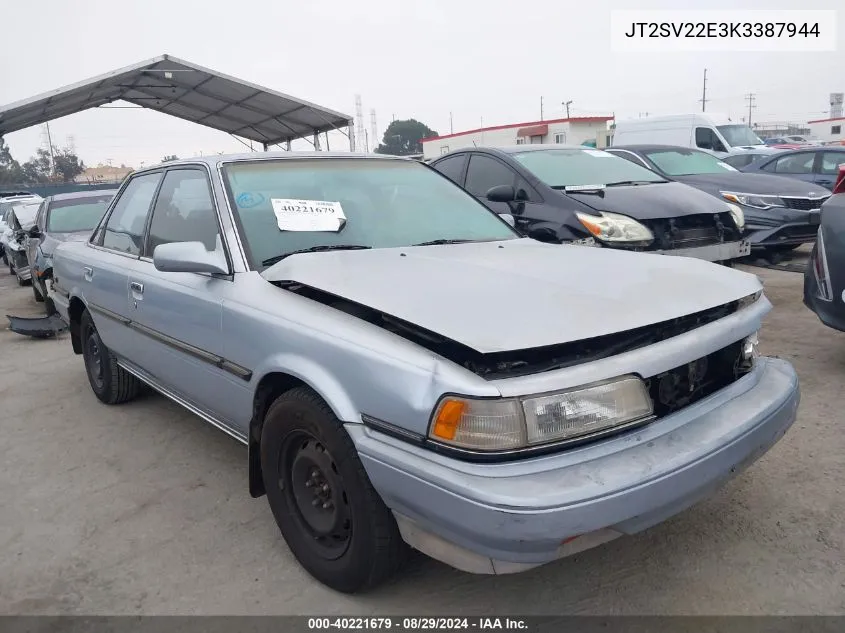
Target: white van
(711, 132)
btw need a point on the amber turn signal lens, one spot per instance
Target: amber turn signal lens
(446, 424)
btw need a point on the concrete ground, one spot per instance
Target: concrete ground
(143, 509)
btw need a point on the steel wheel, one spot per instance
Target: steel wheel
(94, 358)
(315, 490)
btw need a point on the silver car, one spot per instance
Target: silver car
(407, 370)
(62, 217)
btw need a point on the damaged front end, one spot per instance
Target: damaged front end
(510, 364)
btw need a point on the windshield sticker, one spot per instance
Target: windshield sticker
(308, 215)
(247, 200)
(597, 153)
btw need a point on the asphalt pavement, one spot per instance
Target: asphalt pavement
(143, 509)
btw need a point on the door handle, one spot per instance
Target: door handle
(136, 287)
(88, 273)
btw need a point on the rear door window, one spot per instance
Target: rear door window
(801, 163)
(124, 230)
(830, 163)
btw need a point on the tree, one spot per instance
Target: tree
(169, 158)
(10, 169)
(37, 169)
(40, 168)
(67, 164)
(403, 138)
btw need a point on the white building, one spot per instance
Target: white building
(571, 131)
(828, 129)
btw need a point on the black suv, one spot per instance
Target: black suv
(565, 193)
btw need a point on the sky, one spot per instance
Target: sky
(487, 62)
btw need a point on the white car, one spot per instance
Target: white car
(6, 204)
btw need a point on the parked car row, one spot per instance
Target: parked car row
(34, 226)
(407, 369)
(653, 198)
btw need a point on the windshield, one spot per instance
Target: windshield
(687, 162)
(739, 135)
(288, 205)
(574, 167)
(78, 214)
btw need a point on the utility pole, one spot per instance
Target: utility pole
(52, 157)
(541, 108)
(704, 98)
(750, 97)
(451, 128)
(566, 105)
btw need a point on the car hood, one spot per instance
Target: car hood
(651, 202)
(741, 182)
(519, 294)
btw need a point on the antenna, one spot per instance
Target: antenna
(373, 128)
(704, 98)
(360, 133)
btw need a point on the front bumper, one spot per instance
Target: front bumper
(506, 517)
(801, 228)
(714, 252)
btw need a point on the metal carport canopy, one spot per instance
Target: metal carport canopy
(187, 91)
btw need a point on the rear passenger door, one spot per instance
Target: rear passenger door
(178, 316)
(116, 247)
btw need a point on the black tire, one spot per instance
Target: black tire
(349, 541)
(36, 293)
(110, 383)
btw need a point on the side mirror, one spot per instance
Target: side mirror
(501, 193)
(189, 257)
(34, 232)
(507, 217)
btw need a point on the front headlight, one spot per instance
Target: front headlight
(613, 227)
(737, 215)
(752, 200)
(514, 423)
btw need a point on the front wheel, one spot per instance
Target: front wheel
(333, 520)
(109, 381)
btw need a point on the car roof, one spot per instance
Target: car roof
(212, 161)
(654, 148)
(90, 193)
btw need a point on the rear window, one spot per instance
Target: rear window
(78, 214)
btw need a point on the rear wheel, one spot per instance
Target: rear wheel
(333, 520)
(110, 383)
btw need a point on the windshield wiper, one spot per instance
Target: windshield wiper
(442, 241)
(315, 249)
(634, 183)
